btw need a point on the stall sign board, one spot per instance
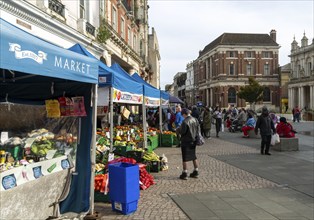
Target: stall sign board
(126, 97)
(23, 174)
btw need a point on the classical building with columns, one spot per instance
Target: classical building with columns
(301, 85)
(225, 64)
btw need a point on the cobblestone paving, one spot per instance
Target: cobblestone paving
(215, 175)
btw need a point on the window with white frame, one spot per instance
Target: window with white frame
(122, 27)
(129, 36)
(249, 69)
(135, 43)
(266, 69)
(266, 95)
(231, 69)
(309, 68)
(248, 54)
(82, 9)
(102, 8)
(114, 18)
(266, 54)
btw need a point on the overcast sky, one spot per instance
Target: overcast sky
(186, 26)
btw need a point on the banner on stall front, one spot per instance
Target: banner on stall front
(126, 97)
(152, 102)
(103, 96)
(25, 173)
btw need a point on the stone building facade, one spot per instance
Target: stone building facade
(301, 85)
(226, 63)
(189, 85)
(65, 23)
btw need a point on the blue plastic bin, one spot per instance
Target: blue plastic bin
(124, 187)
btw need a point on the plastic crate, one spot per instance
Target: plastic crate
(121, 150)
(136, 155)
(101, 197)
(154, 166)
(124, 182)
(154, 141)
(166, 140)
(124, 208)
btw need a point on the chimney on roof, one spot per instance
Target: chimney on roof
(273, 34)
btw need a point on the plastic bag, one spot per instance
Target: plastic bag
(222, 127)
(274, 139)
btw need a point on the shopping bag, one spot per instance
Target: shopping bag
(274, 139)
(199, 138)
(222, 127)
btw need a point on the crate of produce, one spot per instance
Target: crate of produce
(166, 140)
(154, 166)
(121, 150)
(153, 141)
(101, 197)
(136, 155)
(124, 187)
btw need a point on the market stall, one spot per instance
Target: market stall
(48, 157)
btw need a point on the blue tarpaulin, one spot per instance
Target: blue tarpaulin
(33, 71)
(23, 52)
(110, 77)
(149, 90)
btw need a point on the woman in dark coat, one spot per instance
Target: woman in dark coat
(207, 120)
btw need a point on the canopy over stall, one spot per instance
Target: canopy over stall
(174, 99)
(130, 92)
(32, 71)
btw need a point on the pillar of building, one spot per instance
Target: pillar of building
(211, 96)
(299, 97)
(302, 97)
(290, 98)
(311, 104)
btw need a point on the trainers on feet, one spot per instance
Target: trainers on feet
(194, 174)
(183, 176)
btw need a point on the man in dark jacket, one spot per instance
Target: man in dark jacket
(266, 126)
(189, 131)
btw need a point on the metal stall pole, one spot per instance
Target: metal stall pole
(91, 213)
(144, 123)
(111, 119)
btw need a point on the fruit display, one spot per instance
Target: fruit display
(35, 146)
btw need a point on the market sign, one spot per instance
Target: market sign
(26, 53)
(26, 173)
(126, 97)
(152, 102)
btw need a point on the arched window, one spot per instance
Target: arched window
(266, 94)
(232, 95)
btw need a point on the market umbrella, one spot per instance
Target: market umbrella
(173, 99)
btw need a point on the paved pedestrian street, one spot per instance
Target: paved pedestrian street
(157, 202)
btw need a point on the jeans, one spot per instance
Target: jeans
(265, 142)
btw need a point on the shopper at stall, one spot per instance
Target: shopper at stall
(178, 122)
(266, 126)
(189, 130)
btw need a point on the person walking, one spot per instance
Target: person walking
(296, 114)
(266, 126)
(178, 122)
(218, 117)
(207, 121)
(189, 130)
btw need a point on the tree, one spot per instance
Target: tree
(251, 93)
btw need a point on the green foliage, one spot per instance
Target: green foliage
(251, 93)
(103, 33)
